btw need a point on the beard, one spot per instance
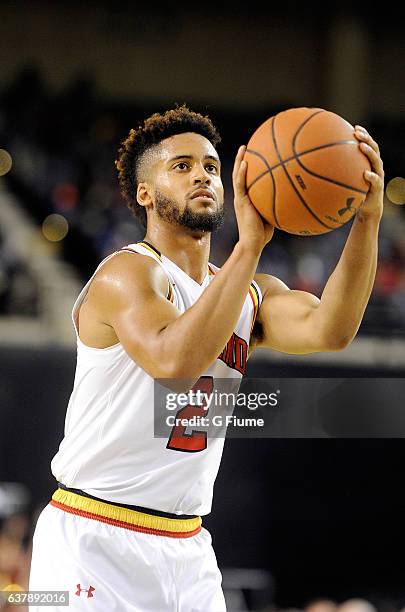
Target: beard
(205, 221)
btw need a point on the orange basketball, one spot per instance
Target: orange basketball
(305, 171)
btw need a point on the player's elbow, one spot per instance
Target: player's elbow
(180, 361)
(337, 342)
(158, 362)
(333, 337)
(178, 373)
(178, 380)
(166, 368)
(185, 374)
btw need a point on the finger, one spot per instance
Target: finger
(238, 160)
(362, 135)
(240, 182)
(376, 181)
(239, 173)
(368, 140)
(374, 158)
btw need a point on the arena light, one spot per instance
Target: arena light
(55, 227)
(395, 190)
(5, 162)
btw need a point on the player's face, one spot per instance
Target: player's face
(187, 180)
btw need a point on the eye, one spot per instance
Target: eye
(181, 166)
(212, 168)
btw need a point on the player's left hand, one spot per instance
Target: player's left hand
(373, 204)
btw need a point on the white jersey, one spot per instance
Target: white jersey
(109, 449)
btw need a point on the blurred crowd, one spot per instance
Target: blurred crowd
(15, 540)
(18, 289)
(64, 146)
(354, 604)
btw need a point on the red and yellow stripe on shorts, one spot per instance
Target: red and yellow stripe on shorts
(125, 517)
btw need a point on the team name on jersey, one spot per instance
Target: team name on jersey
(235, 353)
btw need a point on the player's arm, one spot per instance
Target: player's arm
(166, 343)
(131, 293)
(298, 322)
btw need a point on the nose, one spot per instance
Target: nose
(201, 176)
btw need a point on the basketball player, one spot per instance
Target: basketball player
(123, 530)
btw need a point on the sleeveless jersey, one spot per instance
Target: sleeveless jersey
(109, 449)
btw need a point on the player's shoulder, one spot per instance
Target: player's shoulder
(270, 284)
(127, 272)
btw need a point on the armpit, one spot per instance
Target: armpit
(257, 333)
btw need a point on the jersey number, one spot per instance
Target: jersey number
(196, 440)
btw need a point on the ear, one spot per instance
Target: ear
(144, 195)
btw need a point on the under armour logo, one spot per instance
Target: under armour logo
(89, 591)
(348, 207)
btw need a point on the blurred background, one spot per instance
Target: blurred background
(294, 520)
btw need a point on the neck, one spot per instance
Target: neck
(188, 249)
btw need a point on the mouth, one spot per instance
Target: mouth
(203, 194)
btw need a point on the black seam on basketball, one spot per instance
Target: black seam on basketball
(329, 180)
(289, 177)
(274, 193)
(260, 175)
(318, 112)
(325, 178)
(268, 171)
(306, 152)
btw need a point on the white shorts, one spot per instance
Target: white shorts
(107, 568)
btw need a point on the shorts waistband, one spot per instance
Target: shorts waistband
(127, 506)
(121, 516)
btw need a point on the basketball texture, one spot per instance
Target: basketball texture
(305, 171)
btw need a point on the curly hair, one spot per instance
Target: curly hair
(154, 129)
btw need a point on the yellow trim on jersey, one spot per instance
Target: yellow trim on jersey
(254, 294)
(150, 248)
(78, 504)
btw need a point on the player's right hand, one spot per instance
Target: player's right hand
(254, 231)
